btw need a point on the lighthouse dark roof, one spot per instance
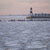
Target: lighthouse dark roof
(31, 8)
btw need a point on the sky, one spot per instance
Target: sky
(19, 7)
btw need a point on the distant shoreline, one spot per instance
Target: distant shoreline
(26, 14)
(34, 19)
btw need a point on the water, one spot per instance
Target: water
(25, 35)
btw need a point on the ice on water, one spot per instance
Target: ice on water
(31, 35)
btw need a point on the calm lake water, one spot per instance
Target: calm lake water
(25, 35)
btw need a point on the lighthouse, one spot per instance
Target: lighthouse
(30, 17)
(31, 13)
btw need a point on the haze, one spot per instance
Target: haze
(14, 7)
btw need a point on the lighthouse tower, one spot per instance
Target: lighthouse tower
(30, 15)
(31, 12)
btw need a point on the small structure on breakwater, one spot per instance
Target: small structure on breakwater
(31, 14)
(38, 16)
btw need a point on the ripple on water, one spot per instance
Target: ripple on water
(25, 35)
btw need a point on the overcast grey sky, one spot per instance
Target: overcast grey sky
(23, 6)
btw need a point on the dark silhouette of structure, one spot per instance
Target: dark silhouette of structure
(38, 16)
